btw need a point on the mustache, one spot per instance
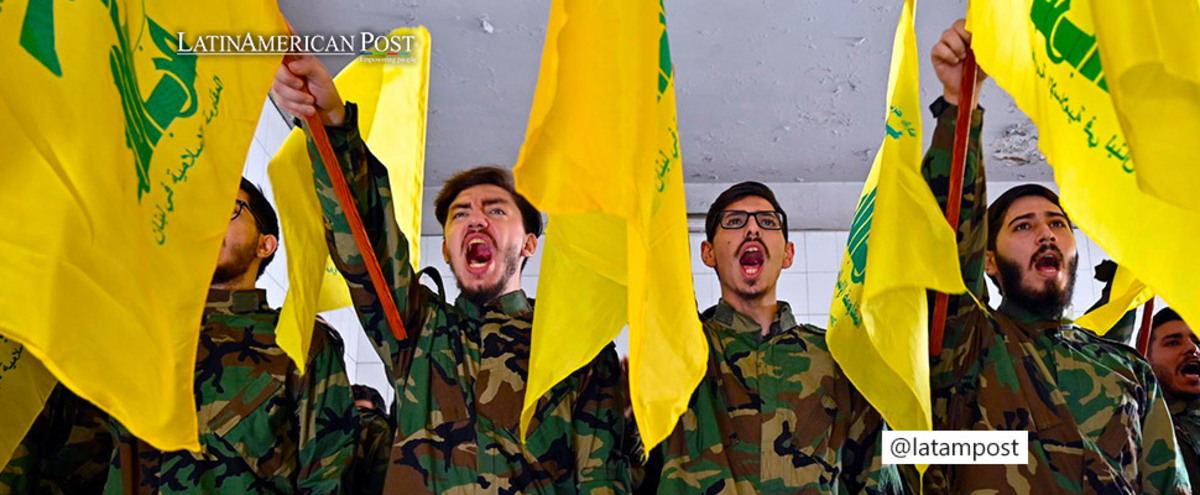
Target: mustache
(478, 231)
(1047, 248)
(747, 240)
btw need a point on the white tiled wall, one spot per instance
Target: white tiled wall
(808, 285)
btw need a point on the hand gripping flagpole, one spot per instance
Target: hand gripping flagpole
(962, 135)
(382, 290)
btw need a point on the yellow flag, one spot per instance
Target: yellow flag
(1151, 60)
(900, 245)
(1127, 294)
(1044, 53)
(391, 93)
(24, 387)
(122, 160)
(601, 157)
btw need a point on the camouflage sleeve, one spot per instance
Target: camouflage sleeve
(374, 452)
(972, 226)
(66, 450)
(1159, 463)
(368, 182)
(863, 470)
(599, 427)
(327, 417)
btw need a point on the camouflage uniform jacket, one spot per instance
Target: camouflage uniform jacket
(774, 414)
(460, 373)
(1185, 414)
(66, 451)
(264, 427)
(1097, 421)
(369, 468)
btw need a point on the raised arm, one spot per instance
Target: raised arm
(948, 56)
(303, 87)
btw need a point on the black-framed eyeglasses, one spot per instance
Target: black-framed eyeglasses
(767, 220)
(240, 205)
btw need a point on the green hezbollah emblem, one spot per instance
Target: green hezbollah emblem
(860, 232)
(174, 96)
(1066, 42)
(848, 290)
(145, 120)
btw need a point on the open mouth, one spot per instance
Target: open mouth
(1048, 264)
(1190, 370)
(479, 253)
(752, 260)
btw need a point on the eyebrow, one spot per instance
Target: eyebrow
(1051, 214)
(486, 202)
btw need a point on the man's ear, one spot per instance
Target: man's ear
(789, 254)
(707, 254)
(530, 247)
(989, 264)
(267, 244)
(445, 251)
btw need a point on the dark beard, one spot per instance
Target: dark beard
(486, 294)
(1049, 302)
(235, 267)
(1180, 396)
(755, 294)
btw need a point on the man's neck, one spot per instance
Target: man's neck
(512, 285)
(1020, 313)
(243, 282)
(762, 310)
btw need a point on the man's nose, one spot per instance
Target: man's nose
(1046, 234)
(476, 220)
(752, 227)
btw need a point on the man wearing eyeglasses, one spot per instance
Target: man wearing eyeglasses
(264, 427)
(773, 413)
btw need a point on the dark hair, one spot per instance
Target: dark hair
(1001, 205)
(264, 218)
(732, 195)
(1164, 316)
(363, 392)
(486, 175)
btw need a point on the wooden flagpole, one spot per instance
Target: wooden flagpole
(962, 135)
